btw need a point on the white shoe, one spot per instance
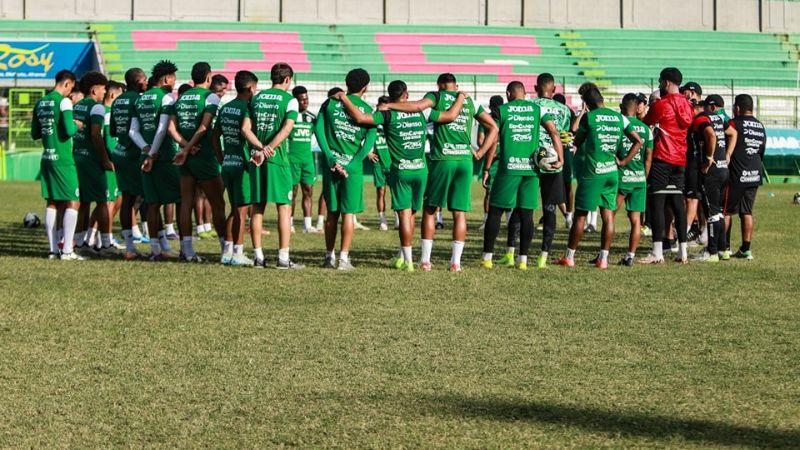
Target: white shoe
(311, 230)
(357, 225)
(72, 257)
(384, 227)
(241, 260)
(292, 229)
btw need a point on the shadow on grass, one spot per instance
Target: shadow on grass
(16, 240)
(626, 423)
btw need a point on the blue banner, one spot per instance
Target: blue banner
(783, 142)
(42, 59)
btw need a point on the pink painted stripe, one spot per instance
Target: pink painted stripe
(509, 44)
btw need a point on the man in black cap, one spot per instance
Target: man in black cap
(692, 90)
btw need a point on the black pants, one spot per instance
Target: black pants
(492, 229)
(713, 187)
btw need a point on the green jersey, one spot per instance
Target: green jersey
(519, 124)
(122, 111)
(406, 134)
(562, 119)
(633, 175)
(148, 109)
(381, 148)
(342, 141)
(452, 141)
(270, 109)
(300, 140)
(54, 124)
(90, 113)
(234, 145)
(189, 110)
(603, 129)
(111, 141)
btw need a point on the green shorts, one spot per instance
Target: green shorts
(569, 166)
(162, 184)
(202, 166)
(60, 183)
(129, 173)
(597, 192)
(379, 175)
(271, 183)
(450, 185)
(514, 191)
(635, 198)
(237, 183)
(407, 188)
(343, 195)
(304, 171)
(96, 183)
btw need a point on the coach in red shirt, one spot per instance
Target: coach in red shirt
(671, 116)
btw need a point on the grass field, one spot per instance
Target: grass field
(112, 354)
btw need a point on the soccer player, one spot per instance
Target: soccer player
(344, 145)
(304, 170)
(380, 159)
(600, 133)
(516, 184)
(148, 129)
(274, 112)
(451, 171)
(218, 86)
(54, 124)
(747, 141)
(406, 134)
(665, 181)
(693, 92)
(551, 181)
(494, 104)
(233, 126)
(709, 130)
(95, 169)
(632, 176)
(113, 90)
(202, 207)
(190, 122)
(126, 156)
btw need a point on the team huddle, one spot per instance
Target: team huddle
(136, 147)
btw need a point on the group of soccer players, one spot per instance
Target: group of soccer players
(138, 147)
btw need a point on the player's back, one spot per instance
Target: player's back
(604, 130)
(122, 111)
(230, 119)
(404, 136)
(84, 147)
(56, 143)
(343, 135)
(269, 110)
(189, 110)
(746, 160)
(453, 141)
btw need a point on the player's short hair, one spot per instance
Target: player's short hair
(183, 88)
(115, 85)
(515, 86)
(163, 68)
(495, 102)
(560, 98)
(92, 79)
(200, 71)
(384, 99)
(544, 79)
(280, 71)
(445, 78)
(298, 91)
(334, 90)
(356, 80)
(243, 79)
(630, 100)
(586, 86)
(65, 75)
(151, 82)
(592, 97)
(396, 89)
(217, 81)
(671, 74)
(132, 76)
(744, 102)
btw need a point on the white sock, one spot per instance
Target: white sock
(169, 228)
(307, 222)
(135, 232)
(105, 240)
(50, 229)
(397, 220)
(522, 259)
(382, 216)
(258, 253)
(127, 236)
(592, 218)
(543, 255)
(320, 221)
(570, 254)
(487, 256)
(603, 255)
(283, 254)
(407, 255)
(630, 255)
(458, 248)
(70, 221)
(91, 237)
(568, 216)
(439, 217)
(206, 227)
(238, 250)
(427, 248)
(227, 247)
(658, 249)
(510, 250)
(291, 222)
(683, 252)
(332, 254)
(186, 246)
(200, 228)
(163, 242)
(145, 229)
(344, 256)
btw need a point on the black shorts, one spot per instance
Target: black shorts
(691, 178)
(740, 199)
(665, 177)
(552, 187)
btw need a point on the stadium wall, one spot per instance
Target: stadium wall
(728, 15)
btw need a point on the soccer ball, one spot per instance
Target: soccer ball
(796, 198)
(31, 220)
(544, 158)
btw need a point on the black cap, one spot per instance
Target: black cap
(692, 86)
(714, 100)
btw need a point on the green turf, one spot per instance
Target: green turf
(113, 354)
